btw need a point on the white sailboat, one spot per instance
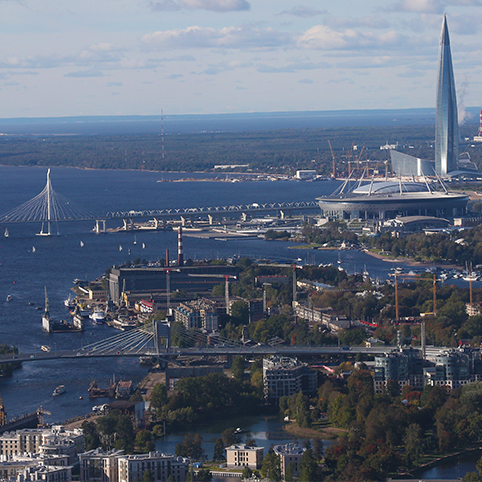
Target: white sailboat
(135, 239)
(33, 249)
(120, 247)
(6, 233)
(143, 246)
(81, 244)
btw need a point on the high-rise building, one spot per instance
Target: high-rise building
(446, 124)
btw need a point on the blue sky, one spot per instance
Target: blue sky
(121, 57)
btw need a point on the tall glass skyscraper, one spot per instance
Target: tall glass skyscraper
(447, 125)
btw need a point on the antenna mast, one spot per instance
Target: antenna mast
(162, 133)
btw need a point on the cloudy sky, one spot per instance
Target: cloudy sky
(122, 57)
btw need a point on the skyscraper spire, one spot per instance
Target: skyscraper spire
(446, 126)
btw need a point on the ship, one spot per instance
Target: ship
(97, 316)
(59, 391)
(51, 326)
(96, 392)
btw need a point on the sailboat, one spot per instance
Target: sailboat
(81, 244)
(6, 233)
(33, 249)
(135, 239)
(143, 246)
(120, 247)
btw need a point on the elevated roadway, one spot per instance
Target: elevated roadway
(175, 352)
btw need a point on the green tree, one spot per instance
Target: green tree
(308, 467)
(290, 472)
(237, 367)
(158, 396)
(191, 447)
(230, 437)
(240, 313)
(271, 467)
(413, 441)
(219, 450)
(92, 440)
(144, 441)
(247, 473)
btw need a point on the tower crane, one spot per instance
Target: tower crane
(293, 267)
(226, 277)
(333, 174)
(422, 325)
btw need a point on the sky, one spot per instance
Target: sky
(136, 57)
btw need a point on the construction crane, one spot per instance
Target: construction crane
(414, 276)
(422, 325)
(293, 267)
(168, 286)
(349, 158)
(333, 174)
(226, 277)
(40, 414)
(358, 162)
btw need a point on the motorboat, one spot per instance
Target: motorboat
(59, 390)
(45, 348)
(97, 316)
(9, 298)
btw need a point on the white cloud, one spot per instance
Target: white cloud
(377, 22)
(301, 11)
(207, 37)
(210, 5)
(323, 37)
(85, 73)
(433, 6)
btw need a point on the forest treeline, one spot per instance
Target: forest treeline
(277, 151)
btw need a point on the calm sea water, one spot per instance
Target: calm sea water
(57, 260)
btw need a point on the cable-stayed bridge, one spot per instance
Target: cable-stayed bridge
(49, 207)
(150, 340)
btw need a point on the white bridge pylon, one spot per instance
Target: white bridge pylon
(47, 207)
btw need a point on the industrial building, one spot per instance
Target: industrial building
(148, 282)
(285, 376)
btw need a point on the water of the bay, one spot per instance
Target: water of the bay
(57, 260)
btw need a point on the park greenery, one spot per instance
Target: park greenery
(460, 247)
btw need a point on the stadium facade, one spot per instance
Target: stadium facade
(389, 199)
